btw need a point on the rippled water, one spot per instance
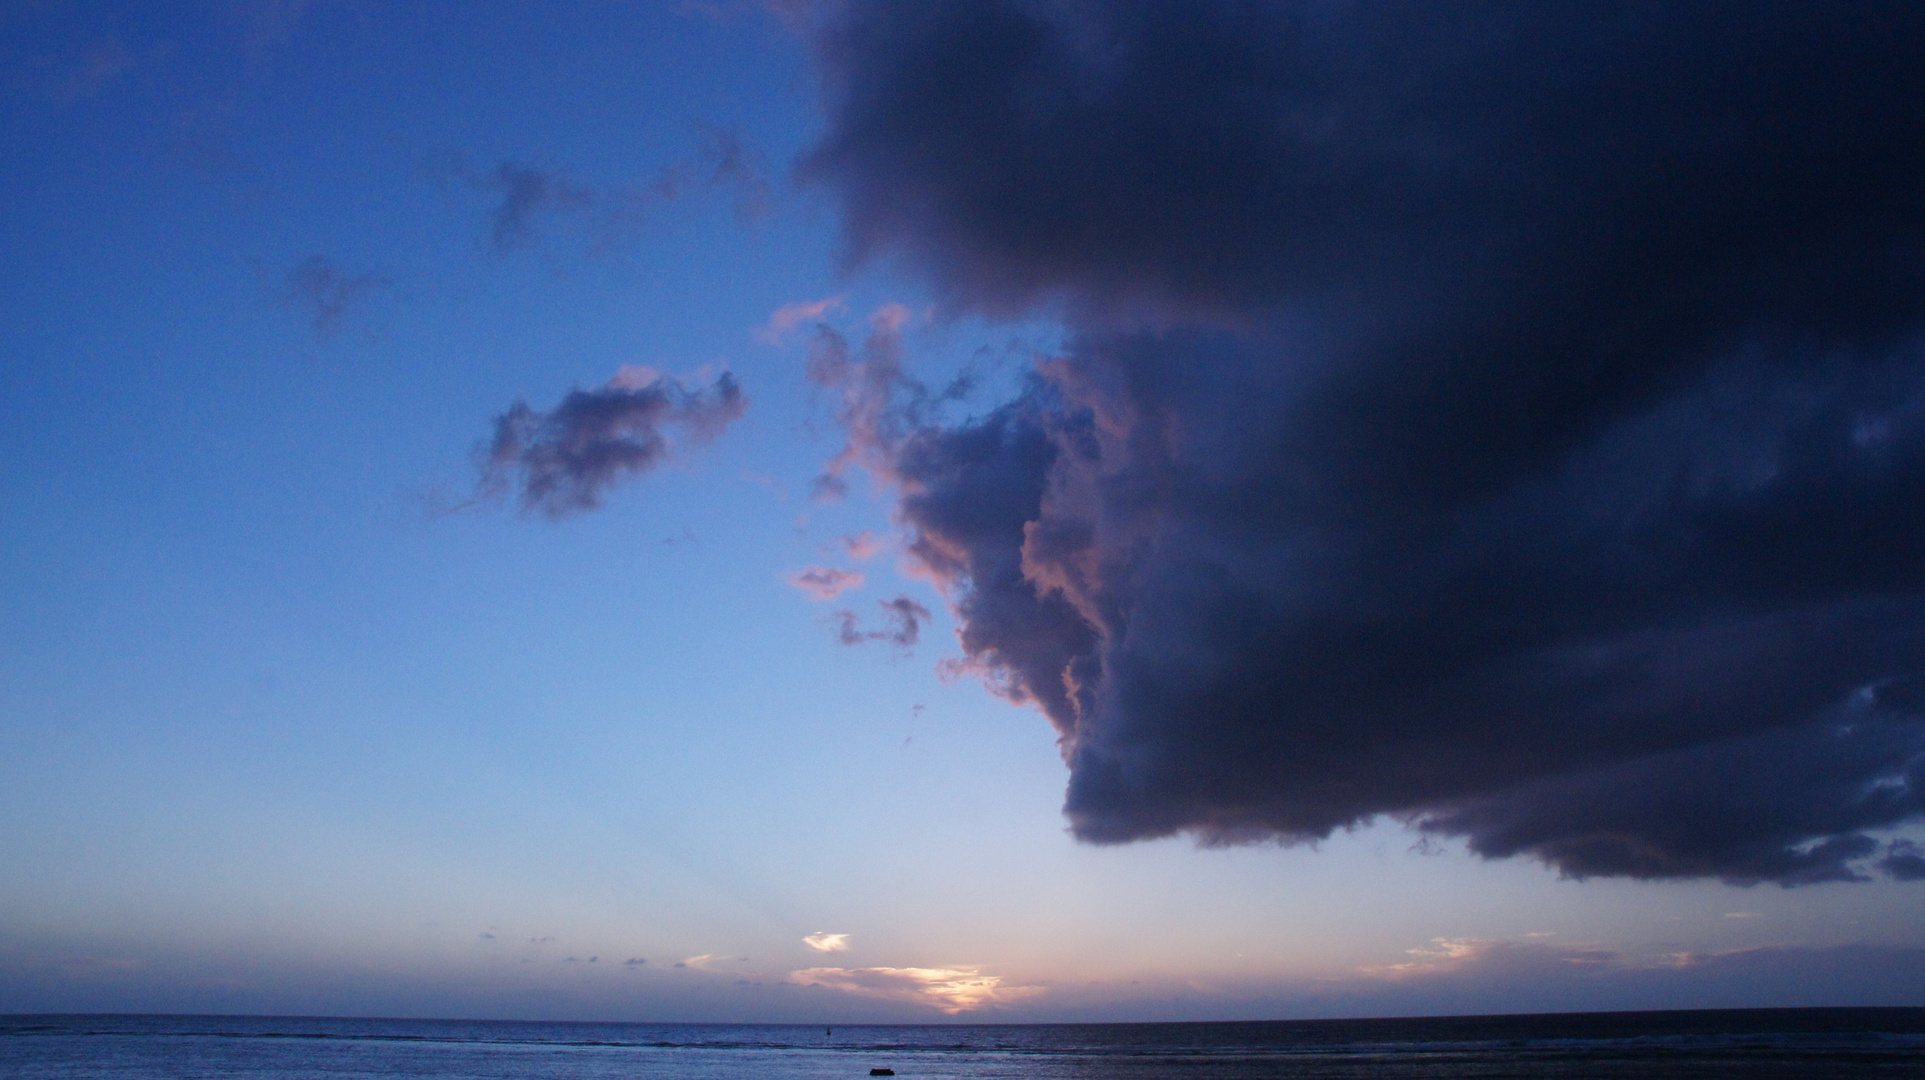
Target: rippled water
(1731, 1043)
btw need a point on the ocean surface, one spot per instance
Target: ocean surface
(1724, 1043)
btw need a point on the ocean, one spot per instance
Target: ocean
(1743, 1043)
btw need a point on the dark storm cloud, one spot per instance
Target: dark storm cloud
(1904, 860)
(562, 461)
(1505, 417)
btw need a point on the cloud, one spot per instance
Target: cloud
(786, 318)
(530, 198)
(1508, 418)
(1904, 860)
(904, 616)
(951, 990)
(634, 961)
(528, 193)
(724, 163)
(1450, 956)
(563, 461)
(321, 291)
(825, 582)
(879, 404)
(822, 941)
(708, 961)
(863, 545)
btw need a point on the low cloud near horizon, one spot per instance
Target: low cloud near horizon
(949, 990)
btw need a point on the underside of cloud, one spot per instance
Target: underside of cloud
(1505, 417)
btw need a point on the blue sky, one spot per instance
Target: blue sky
(294, 718)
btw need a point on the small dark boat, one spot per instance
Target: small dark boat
(882, 1072)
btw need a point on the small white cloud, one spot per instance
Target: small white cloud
(822, 941)
(952, 990)
(1743, 915)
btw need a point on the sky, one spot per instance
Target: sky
(1009, 510)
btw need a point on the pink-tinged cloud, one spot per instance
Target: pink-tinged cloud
(1450, 956)
(788, 317)
(950, 990)
(825, 582)
(823, 941)
(904, 616)
(708, 962)
(862, 545)
(880, 405)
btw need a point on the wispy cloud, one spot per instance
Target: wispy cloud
(903, 616)
(708, 961)
(880, 406)
(531, 200)
(822, 941)
(324, 293)
(563, 461)
(725, 163)
(863, 545)
(526, 193)
(785, 319)
(1453, 955)
(825, 582)
(951, 990)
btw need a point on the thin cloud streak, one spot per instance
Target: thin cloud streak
(564, 461)
(825, 582)
(904, 618)
(784, 320)
(948, 990)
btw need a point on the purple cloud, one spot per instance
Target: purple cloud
(321, 291)
(563, 461)
(825, 582)
(903, 616)
(1508, 418)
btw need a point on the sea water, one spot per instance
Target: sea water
(1725, 1043)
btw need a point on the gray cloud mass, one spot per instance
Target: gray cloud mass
(563, 461)
(1505, 417)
